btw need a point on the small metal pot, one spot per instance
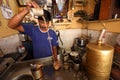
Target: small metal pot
(76, 67)
(75, 57)
(23, 37)
(37, 71)
(82, 42)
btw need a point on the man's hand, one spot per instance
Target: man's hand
(56, 65)
(32, 4)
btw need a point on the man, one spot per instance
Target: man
(44, 39)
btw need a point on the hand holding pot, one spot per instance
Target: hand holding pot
(34, 8)
(32, 4)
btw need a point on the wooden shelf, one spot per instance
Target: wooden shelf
(62, 24)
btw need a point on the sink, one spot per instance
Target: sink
(7, 60)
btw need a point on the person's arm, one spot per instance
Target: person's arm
(14, 23)
(54, 53)
(57, 63)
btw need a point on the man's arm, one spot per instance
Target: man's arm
(14, 23)
(55, 53)
(57, 63)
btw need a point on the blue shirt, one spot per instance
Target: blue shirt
(40, 40)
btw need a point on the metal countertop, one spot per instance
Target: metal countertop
(23, 68)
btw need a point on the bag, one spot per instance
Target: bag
(6, 11)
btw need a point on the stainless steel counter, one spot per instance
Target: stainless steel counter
(23, 68)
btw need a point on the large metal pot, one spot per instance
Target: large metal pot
(99, 60)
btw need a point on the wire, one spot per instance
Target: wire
(58, 35)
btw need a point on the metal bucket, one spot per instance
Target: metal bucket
(99, 61)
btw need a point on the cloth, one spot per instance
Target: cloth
(40, 40)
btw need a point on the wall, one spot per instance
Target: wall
(9, 44)
(68, 36)
(109, 37)
(111, 25)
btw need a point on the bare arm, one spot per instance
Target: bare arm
(57, 63)
(14, 23)
(55, 53)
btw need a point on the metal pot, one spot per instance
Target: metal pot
(75, 57)
(24, 37)
(99, 61)
(82, 42)
(37, 71)
(76, 67)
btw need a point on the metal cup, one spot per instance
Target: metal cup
(66, 66)
(36, 12)
(37, 71)
(76, 67)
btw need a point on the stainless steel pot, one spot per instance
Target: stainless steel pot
(76, 67)
(37, 71)
(81, 42)
(75, 57)
(23, 37)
